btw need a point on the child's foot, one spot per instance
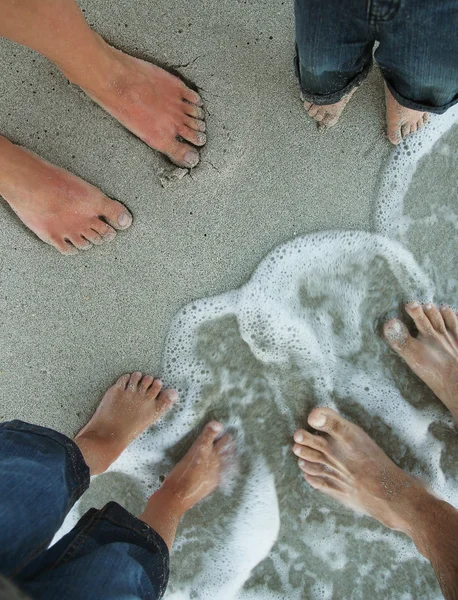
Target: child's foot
(131, 405)
(346, 464)
(401, 121)
(327, 115)
(198, 473)
(61, 209)
(433, 355)
(153, 104)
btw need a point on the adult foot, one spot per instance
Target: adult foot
(402, 121)
(131, 405)
(433, 355)
(327, 115)
(198, 473)
(153, 104)
(61, 209)
(345, 463)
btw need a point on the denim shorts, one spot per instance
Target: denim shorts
(417, 52)
(108, 554)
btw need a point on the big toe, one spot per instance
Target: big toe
(116, 214)
(397, 335)
(328, 420)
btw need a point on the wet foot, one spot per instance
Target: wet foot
(433, 355)
(131, 405)
(153, 104)
(61, 209)
(327, 115)
(199, 472)
(402, 121)
(345, 463)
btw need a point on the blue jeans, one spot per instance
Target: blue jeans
(109, 554)
(417, 54)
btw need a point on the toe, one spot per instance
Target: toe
(324, 484)
(413, 127)
(307, 105)
(155, 389)
(308, 454)
(134, 381)
(94, 237)
(405, 130)
(435, 317)
(225, 446)
(195, 137)
(123, 381)
(183, 155)
(195, 124)
(312, 440)
(79, 242)
(165, 401)
(425, 118)
(422, 323)
(65, 247)
(450, 320)
(313, 468)
(397, 335)
(191, 96)
(116, 214)
(210, 434)
(106, 232)
(144, 384)
(314, 110)
(326, 419)
(193, 111)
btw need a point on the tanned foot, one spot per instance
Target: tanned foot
(194, 478)
(61, 209)
(131, 405)
(345, 463)
(433, 355)
(327, 115)
(402, 121)
(153, 104)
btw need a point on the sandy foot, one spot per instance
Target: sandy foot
(401, 121)
(327, 115)
(346, 464)
(433, 355)
(61, 209)
(131, 405)
(154, 105)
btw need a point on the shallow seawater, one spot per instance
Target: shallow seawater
(306, 331)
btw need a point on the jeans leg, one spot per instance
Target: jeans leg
(333, 47)
(43, 473)
(109, 554)
(418, 54)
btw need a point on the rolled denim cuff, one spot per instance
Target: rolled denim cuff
(333, 97)
(438, 110)
(78, 472)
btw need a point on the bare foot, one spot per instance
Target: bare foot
(433, 355)
(401, 121)
(346, 464)
(61, 209)
(153, 104)
(198, 473)
(327, 115)
(194, 478)
(131, 405)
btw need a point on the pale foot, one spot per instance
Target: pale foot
(61, 209)
(402, 121)
(131, 405)
(153, 104)
(346, 464)
(327, 115)
(433, 355)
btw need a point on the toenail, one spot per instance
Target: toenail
(319, 420)
(201, 138)
(191, 158)
(124, 219)
(301, 463)
(217, 427)
(413, 305)
(299, 437)
(428, 306)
